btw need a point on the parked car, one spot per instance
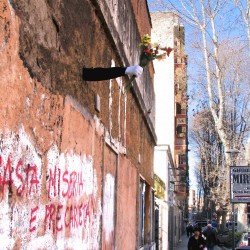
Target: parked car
(243, 240)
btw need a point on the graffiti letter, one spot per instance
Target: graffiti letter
(58, 218)
(33, 218)
(7, 171)
(49, 213)
(75, 213)
(34, 180)
(71, 216)
(59, 181)
(21, 188)
(52, 181)
(1, 180)
(65, 180)
(72, 185)
(80, 214)
(80, 184)
(65, 217)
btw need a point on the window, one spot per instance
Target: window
(178, 108)
(183, 159)
(141, 212)
(153, 216)
(146, 214)
(181, 131)
(183, 179)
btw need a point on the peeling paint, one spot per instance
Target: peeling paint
(110, 101)
(108, 208)
(69, 206)
(125, 121)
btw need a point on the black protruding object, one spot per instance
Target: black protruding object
(101, 74)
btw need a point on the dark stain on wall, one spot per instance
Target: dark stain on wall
(57, 39)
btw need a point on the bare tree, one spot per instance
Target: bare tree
(223, 73)
(244, 7)
(209, 150)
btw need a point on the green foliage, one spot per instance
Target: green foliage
(237, 236)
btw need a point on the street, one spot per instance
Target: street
(184, 242)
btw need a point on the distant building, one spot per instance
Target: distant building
(192, 205)
(170, 83)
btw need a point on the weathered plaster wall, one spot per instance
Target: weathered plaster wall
(68, 174)
(164, 80)
(126, 198)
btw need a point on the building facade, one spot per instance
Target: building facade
(171, 123)
(76, 157)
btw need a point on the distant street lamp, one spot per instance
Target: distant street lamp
(233, 153)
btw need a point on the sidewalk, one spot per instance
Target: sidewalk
(184, 242)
